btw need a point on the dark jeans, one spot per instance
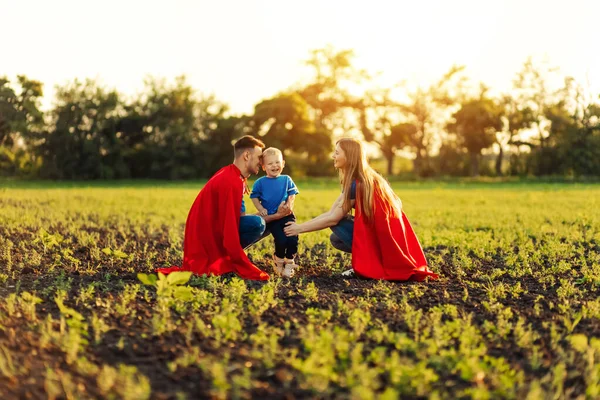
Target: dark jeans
(285, 247)
(252, 229)
(341, 238)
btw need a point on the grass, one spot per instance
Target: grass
(515, 313)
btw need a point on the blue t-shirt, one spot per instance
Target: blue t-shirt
(272, 191)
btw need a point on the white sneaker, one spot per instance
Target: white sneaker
(279, 265)
(290, 268)
(348, 272)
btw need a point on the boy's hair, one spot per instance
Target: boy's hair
(246, 143)
(271, 151)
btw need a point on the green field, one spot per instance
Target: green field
(515, 313)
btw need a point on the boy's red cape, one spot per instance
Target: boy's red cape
(212, 241)
(387, 248)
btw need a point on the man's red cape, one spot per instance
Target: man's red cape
(212, 241)
(387, 248)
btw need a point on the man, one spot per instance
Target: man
(217, 228)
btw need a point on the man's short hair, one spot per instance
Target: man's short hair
(246, 143)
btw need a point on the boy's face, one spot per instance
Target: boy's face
(273, 165)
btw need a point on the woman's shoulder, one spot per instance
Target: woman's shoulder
(352, 187)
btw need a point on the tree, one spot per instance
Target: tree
(451, 159)
(516, 118)
(574, 131)
(412, 123)
(328, 95)
(162, 132)
(379, 123)
(216, 148)
(20, 114)
(83, 141)
(21, 125)
(284, 121)
(475, 124)
(533, 92)
(330, 103)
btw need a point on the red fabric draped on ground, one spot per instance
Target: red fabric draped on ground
(388, 247)
(212, 243)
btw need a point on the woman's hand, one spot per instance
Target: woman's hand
(291, 229)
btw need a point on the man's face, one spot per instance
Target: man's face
(253, 160)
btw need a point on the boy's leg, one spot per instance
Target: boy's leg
(252, 229)
(292, 241)
(292, 247)
(341, 238)
(276, 229)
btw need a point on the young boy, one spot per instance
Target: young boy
(267, 194)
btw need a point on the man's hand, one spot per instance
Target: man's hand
(283, 210)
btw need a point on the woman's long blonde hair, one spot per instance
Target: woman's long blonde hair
(357, 168)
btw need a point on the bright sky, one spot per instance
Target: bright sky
(244, 51)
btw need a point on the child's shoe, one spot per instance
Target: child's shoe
(290, 268)
(279, 265)
(349, 273)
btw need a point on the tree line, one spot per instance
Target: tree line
(451, 127)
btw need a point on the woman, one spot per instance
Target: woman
(380, 238)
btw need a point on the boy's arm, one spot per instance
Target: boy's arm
(282, 211)
(261, 210)
(292, 191)
(255, 197)
(290, 202)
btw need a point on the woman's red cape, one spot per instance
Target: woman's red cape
(387, 248)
